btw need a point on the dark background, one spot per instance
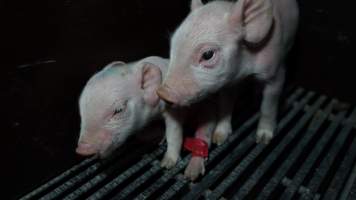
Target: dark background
(40, 100)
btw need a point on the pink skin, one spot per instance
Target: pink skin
(87, 147)
(223, 42)
(121, 99)
(116, 102)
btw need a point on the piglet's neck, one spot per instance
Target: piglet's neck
(246, 67)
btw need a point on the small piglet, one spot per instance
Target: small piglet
(121, 99)
(222, 42)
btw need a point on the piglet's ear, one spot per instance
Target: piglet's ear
(151, 79)
(195, 4)
(255, 17)
(114, 64)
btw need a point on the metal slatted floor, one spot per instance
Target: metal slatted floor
(311, 157)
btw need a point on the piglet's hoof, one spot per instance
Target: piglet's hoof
(168, 161)
(195, 168)
(264, 135)
(219, 137)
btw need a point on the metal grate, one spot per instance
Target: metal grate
(311, 157)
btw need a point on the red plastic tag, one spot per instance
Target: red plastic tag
(197, 146)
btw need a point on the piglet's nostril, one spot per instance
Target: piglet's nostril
(163, 93)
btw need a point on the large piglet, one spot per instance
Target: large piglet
(121, 99)
(222, 42)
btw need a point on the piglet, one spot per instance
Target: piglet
(221, 43)
(116, 102)
(121, 99)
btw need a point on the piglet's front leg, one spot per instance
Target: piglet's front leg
(174, 137)
(226, 102)
(199, 147)
(269, 108)
(196, 164)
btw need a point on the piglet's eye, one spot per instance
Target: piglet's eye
(117, 111)
(120, 108)
(207, 55)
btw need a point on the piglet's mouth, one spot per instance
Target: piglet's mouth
(105, 154)
(86, 149)
(89, 150)
(112, 149)
(167, 96)
(171, 98)
(181, 98)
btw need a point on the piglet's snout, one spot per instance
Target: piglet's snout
(86, 149)
(166, 95)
